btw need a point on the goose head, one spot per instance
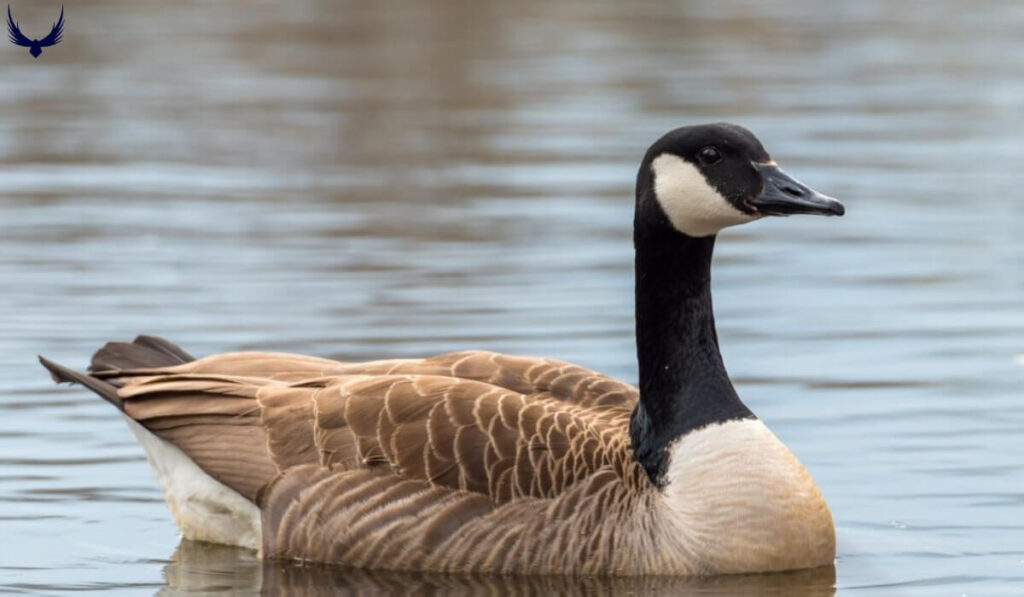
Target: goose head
(693, 182)
(707, 177)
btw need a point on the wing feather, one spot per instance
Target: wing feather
(14, 32)
(56, 33)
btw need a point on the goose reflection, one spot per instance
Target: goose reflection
(207, 567)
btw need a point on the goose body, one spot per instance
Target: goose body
(483, 462)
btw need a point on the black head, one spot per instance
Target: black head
(710, 176)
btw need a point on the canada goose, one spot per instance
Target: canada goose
(482, 462)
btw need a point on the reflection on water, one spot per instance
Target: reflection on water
(373, 179)
(202, 567)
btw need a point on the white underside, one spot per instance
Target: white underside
(202, 507)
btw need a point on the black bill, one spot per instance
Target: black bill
(784, 195)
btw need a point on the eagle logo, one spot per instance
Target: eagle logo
(35, 46)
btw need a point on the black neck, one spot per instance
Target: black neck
(683, 382)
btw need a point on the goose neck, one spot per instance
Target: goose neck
(683, 381)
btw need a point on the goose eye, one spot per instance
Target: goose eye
(709, 155)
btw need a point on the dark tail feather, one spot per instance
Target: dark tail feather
(61, 373)
(144, 353)
(169, 348)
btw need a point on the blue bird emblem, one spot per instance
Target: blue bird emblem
(35, 46)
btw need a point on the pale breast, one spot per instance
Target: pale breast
(740, 499)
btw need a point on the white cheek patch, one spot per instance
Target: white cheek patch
(691, 204)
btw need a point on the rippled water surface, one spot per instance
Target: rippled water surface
(371, 179)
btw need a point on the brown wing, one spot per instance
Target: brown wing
(448, 431)
(504, 426)
(466, 435)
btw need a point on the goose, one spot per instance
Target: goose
(480, 462)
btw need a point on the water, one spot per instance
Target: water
(363, 180)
